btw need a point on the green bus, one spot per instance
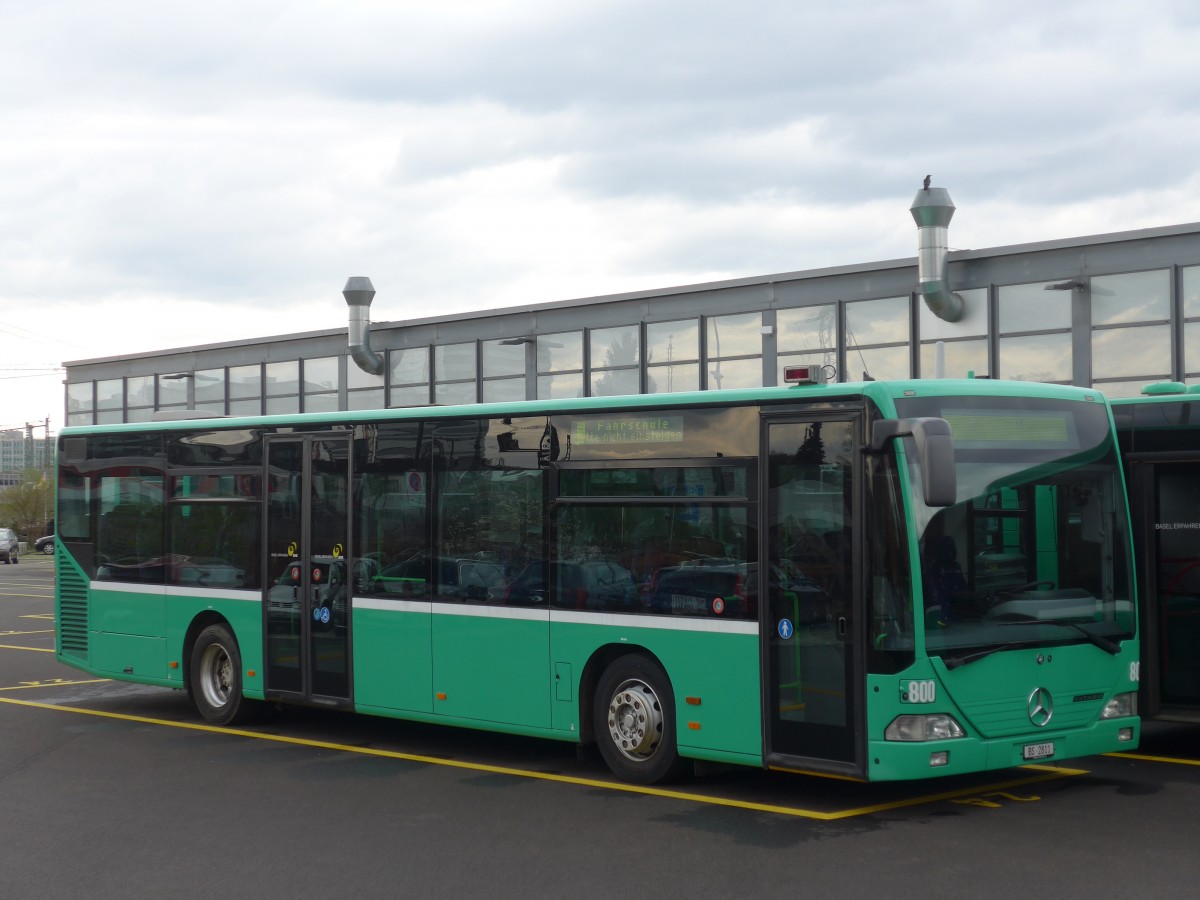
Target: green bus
(1159, 437)
(872, 581)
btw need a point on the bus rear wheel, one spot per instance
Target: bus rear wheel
(216, 675)
(634, 721)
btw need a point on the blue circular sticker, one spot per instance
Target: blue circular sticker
(785, 628)
(316, 614)
(324, 615)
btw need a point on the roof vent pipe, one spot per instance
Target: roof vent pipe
(359, 292)
(932, 211)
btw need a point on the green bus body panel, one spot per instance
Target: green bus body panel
(494, 668)
(130, 655)
(137, 634)
(498, 670)
(241, 610)
(719, 669)
(393, 662)
(122, 612)
(989, 698)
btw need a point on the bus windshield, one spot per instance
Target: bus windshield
(1035, 552)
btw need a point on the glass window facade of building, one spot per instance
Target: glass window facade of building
(673, 356)
(808, 336)
(408, 374)
(1131, 330)
(1115, 312)
(877, 339)
(503, 374)
(616, 356)
(963, 345)
(1035, 332)
(733, 354)
(1189, 289)
(454, 367)
(559, 365)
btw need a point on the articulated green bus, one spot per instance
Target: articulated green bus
(1159, 437)
(881, 580)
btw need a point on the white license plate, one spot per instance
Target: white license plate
(1038, 751)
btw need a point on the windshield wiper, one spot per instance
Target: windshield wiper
(1104, 643)
(954, 662)
(1109, 646)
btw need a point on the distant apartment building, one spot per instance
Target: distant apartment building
(20, 451)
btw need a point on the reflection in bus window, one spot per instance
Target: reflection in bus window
(129, 531)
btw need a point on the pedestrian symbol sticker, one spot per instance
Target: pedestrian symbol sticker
(785, 628)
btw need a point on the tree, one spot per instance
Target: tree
(28, 506)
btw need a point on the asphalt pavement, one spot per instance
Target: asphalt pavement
(111, 789)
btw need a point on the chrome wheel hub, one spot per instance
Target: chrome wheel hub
(635, 720)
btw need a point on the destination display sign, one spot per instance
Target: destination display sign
(1044, 429)
(595, 430)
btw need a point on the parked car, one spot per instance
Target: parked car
(583, 584)
(328, 602)
(45, 544)
(10, 547)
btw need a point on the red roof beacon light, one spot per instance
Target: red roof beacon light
(804, 374)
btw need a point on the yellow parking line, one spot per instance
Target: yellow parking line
(1045, 773)
(34, 649)
(1145, 757)
(49, 684)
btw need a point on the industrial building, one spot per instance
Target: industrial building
(1113, 311)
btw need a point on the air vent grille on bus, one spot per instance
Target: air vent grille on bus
(72, 612)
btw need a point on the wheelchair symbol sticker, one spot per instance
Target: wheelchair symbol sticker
(785, 628)
(324, 615)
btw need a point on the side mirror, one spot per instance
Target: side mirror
(935, 454)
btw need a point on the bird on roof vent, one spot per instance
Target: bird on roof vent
(927, 180)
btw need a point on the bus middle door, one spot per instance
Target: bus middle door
(308, 585)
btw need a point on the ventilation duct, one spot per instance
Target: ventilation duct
(359, 292)
(932, 211)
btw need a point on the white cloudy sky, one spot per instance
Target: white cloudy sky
(175, 174)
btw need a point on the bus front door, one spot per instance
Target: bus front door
(1165, 500)
(811, 673)
(307, 598)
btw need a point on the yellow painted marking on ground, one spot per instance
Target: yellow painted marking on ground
(49, 616)
(1046, 773)
(12, 633)
(1162, 759)
(34, 649)
(52, 683)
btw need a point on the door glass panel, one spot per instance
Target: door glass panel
(810, 623)
(308, 596)
(1177, 562)
(329, 589)
(284, 570)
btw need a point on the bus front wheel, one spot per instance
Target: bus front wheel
(634, 721)
(216, 670)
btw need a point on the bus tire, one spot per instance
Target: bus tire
(216, 678)
(634, 721)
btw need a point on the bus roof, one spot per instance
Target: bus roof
(881, 392)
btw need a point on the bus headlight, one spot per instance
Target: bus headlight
(1120, 705)
(928, 727)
